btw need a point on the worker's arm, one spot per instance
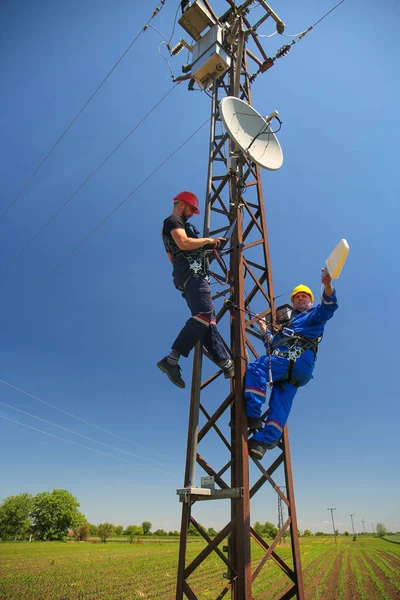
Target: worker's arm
(186, 243)
(327, 283)
(329, 304)
(266, 335)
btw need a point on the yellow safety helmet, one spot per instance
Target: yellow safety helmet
(301, 288)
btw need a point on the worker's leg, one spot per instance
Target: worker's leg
(257, 379)
(213, 341)
(201, 327)
(280, 404)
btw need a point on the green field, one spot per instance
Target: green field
(368, 568)
(393, 538)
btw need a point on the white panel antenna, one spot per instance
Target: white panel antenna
(337, 258)
(251, 132)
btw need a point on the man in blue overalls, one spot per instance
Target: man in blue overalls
(289, 363)
(186, 252)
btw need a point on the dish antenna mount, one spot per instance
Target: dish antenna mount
(251, 132)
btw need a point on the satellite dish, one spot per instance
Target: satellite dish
(251, 132)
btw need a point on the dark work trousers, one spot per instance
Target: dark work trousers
(201, 327)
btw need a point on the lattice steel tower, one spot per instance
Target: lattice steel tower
(220, 62)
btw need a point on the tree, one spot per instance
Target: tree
(192, 530)
(380, 530)
(133, 531)
(53, 513)
(307, 533)
(105, 530)
(146, 526)
(160, 532)
(82, 532)
(258, 528)
(270, 530)
(92, 530)
(320, 533)
(119, 530)
(15, 522)
(211, 532)
(346, 533)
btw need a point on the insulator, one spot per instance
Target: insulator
(176, 49)
(283, 51)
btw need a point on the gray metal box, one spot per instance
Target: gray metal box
(210, 59)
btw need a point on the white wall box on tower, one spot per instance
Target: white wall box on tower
(195, 19)
(210, 59)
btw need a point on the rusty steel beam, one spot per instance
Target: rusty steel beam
(293, 516)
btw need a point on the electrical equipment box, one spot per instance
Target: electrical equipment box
(208, 482)
(210, 59)
(195, 19)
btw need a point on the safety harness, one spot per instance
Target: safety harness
(197, 258)
(296, 344)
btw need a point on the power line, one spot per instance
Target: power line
(328, 13)
(14, 258)
(86, 437)
(80, 445)
(110, 214)
(155, 12)
(75, 417)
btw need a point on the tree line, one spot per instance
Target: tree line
(55, 516)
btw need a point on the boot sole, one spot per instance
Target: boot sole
(161, 367)
(256, 455)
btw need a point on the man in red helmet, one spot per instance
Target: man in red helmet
(186, 252)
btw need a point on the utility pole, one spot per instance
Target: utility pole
(363, 522)
(333, 523)
(280, 509)
(373, 527)
(221, 60)
(351, 515)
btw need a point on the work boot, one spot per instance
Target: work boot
(254, 422)
(172, 370)
(256, 449)
(228, 368)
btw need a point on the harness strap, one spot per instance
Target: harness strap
(289, 377)
(296, 339)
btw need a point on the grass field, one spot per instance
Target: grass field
(393, 538)
(368, 568)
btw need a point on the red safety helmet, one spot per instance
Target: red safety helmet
(189, 198)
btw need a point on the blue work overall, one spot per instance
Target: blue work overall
(309, 324)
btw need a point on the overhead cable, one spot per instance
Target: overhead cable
(54, 215)
(110, 214)
(155, 12)
(86, 437)
(77, 418)
(284, 50)
(81, 445)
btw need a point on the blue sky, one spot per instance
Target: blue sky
(87, 339)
